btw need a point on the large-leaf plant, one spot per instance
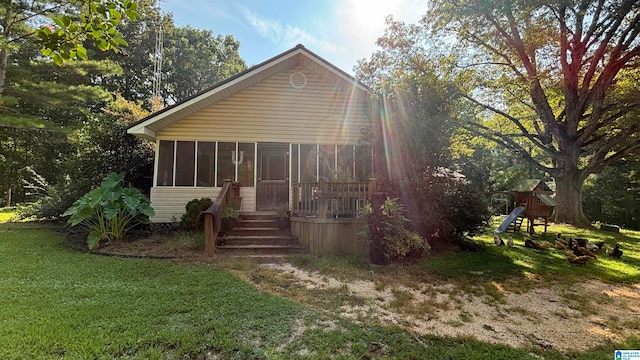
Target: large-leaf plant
(109, 211)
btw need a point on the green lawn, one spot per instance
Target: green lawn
(57, 303)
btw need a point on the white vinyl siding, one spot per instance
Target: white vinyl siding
(169, 202)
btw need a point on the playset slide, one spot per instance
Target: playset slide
(511, 218)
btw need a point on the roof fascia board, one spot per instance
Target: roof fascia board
(332, 69)
(142, 131)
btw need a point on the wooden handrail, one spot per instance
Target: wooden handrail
(213, 215)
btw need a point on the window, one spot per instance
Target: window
(363, 158)
(226, 167)
(328, 162)
(308, 162)
(206, 163)
(185, 163)
(165, 163)
(344, 171)
(294, 162)
(246, 163)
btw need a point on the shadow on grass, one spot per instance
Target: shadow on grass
(499, 263)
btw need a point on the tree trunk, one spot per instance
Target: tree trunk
(4, 55)
(569, 199)
(4, 48)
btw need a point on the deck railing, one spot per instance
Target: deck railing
(213, 215)
(330, 199)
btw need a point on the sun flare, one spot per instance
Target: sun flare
(370, 14)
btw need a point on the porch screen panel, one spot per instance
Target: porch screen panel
(328, 162)
(185, 163)
(345, 170)
(164, 177)
(246, 164)
(363, 162)
(294, 163)
(308, 161)
(226, 168)
(206, 163)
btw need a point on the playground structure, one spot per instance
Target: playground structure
(533, 201)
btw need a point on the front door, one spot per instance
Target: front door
(273, 176)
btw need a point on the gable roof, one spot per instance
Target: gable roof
(529, 185)
(148, 126)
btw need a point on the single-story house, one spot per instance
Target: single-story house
(279, 129)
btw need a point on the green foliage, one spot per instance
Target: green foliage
(97, 21)
(613, 195)
(191, 219)
(423, 113)
(399, 243)
(469, 210)
(63, 121)
(232, 210)
(104, 147)
(47, 201)
(109, 211)
(193, 59)
(196, 60)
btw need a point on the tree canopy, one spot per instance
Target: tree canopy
(551, 81)
(63, 124)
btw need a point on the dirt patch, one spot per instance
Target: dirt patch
(575, 318)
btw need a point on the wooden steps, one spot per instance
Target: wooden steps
(256, 235)
(516, 225)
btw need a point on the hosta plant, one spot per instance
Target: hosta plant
(109, 211)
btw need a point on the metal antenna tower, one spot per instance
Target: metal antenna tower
(157, 66)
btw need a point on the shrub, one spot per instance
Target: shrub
(232, 210)
(398, 242)
(51, 201)
(191, 219)
(443, 207)
(109, 211)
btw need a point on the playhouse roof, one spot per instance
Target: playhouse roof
(529, 185)
(547, 199)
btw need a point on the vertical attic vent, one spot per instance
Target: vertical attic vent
(298, 80)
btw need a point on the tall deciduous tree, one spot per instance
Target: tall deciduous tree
(552, 77)
(195, 60)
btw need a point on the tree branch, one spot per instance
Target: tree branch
(505, 141)
(533, 138)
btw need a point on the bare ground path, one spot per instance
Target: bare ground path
(564, 318)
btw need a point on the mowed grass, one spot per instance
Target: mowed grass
(57, 303)
(499, 263)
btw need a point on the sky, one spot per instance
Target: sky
(340, 31)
